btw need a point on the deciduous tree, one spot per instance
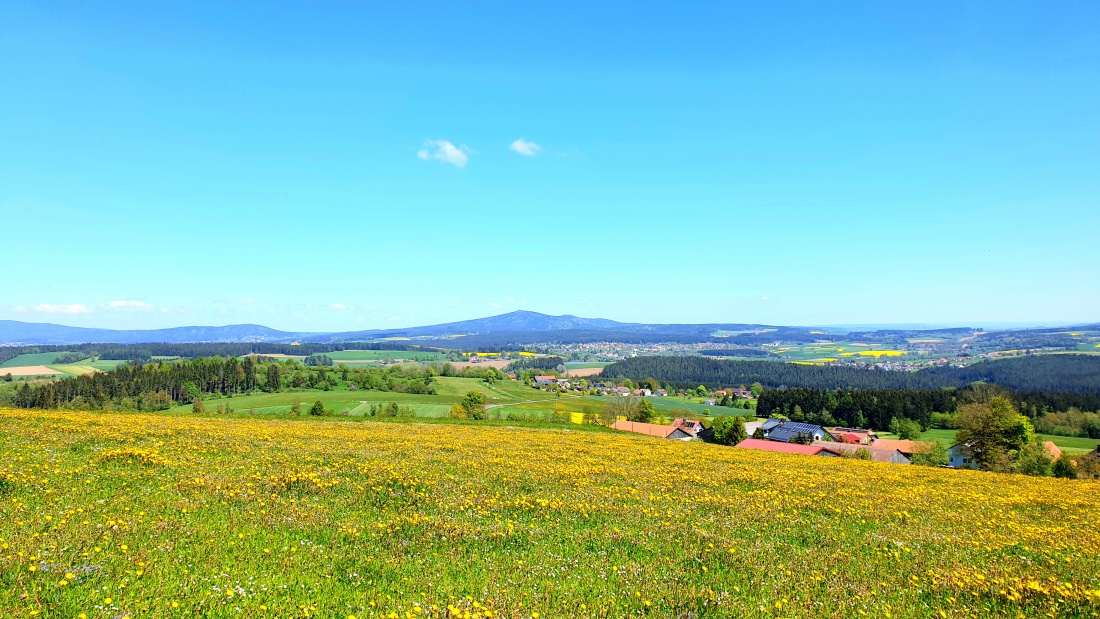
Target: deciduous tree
(993, 432)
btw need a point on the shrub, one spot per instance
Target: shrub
(935, 455)
(1064, 468)
(1032, 459)
(906, 429)
(728, 430)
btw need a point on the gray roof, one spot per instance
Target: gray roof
(790, 429)
(769, 424)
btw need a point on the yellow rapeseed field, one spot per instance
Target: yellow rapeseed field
(874, 353)
(115, 515)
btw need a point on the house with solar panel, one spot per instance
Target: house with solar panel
(782, 431)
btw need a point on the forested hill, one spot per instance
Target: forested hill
(1040, 373)
(1046, 373)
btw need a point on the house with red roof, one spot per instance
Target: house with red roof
(790, 448)
(689, 426)
(653, 429)
(876, 454)
(849, 438)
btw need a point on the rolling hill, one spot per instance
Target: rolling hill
(516, 324)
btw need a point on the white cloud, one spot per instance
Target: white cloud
(129, 305)
(494, 304)
(75, 308)
(525, 148)
(764, 298)
(341, 306)
(244, 301)
(446, 152)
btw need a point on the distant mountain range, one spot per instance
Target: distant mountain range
(511, 328)
(13, 332)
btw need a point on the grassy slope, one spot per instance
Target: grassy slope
(367, 355)
(47, 359)
(240, 517)
(87, 366)
(40, 358)
(1068, 444)
(449, 391)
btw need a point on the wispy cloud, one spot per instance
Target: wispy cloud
(445, 151)
(341, 306)
(129, 305)
(525, 148)
(75, 308)
(244, 301)
(495, 305)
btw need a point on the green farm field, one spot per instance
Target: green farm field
(384, 355)
(449, 391)
(88, 365)
(47, 359)
(40, 358)
(695, 405)
(1068, 444)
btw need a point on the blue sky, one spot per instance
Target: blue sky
(337, 166)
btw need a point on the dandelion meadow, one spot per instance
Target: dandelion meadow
(116, 515)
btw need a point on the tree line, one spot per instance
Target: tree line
(145, 352)
(534, 363)
(1032, 375)
(161, 385)
(857, 408)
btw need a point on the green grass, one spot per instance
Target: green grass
(47, 359)
(40, 358)
(386, 355)
(104, 365)
(81, 367)
(449, 390)
(1068, 444)
(1071, 444)
(340, 401)
(694, 405)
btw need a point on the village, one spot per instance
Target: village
(770, 434)
(791, 437)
